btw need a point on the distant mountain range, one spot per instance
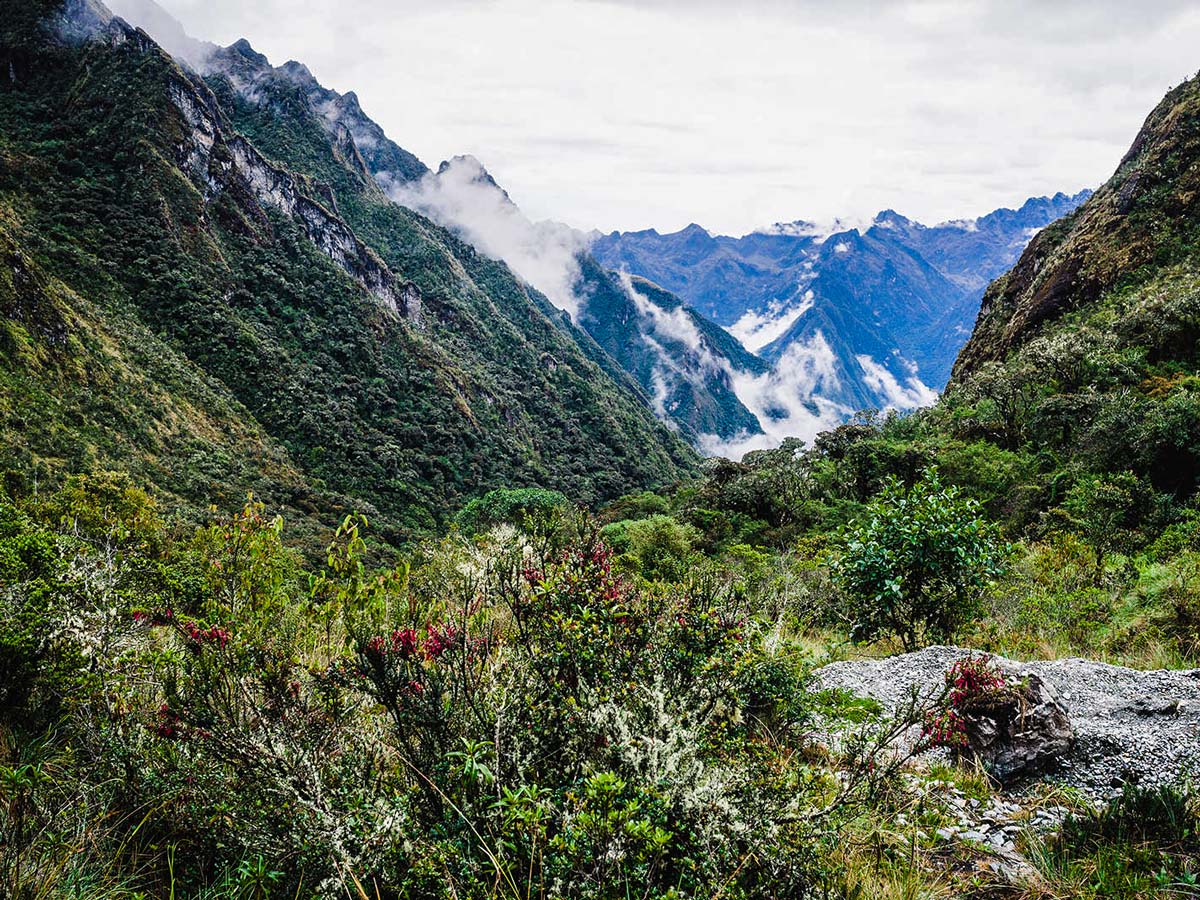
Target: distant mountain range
(817, 325)
(847, 318)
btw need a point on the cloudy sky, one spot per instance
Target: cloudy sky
(657, 113)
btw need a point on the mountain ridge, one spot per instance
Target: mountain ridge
(387, 366)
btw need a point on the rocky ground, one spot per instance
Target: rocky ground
(1129, 726)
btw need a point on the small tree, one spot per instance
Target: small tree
(916, 563)
(1105, 510)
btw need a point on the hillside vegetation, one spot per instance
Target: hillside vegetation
(381, 363)
(593, 680)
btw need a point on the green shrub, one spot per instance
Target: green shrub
(916, 562)
(659, 548)
(523, 507)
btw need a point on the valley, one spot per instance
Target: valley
(363, 536)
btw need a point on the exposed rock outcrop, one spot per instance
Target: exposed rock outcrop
(220, 160)
(1130, 726)
(1024, 731)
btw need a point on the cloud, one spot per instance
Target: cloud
(674, 324)
(808, 109)
(465, 199)
(165, 29)
(755, 330)
(912, 394)
(789, 401)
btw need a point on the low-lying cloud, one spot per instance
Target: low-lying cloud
(463, 198)
(791, 400)
(896, 396)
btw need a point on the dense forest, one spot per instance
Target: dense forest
(306, 592)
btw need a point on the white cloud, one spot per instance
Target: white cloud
(639, 114)
(788, 401)
(755, 330)
(912, 394)
(462, 198)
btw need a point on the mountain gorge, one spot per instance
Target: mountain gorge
(354, 542)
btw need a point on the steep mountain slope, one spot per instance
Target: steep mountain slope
(684, 362)
(688, 385)
(1142, 222)
(898, 293)
(1089, 349)
(243, 246)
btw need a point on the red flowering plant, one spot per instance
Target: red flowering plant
(973, 684)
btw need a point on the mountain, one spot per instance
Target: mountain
(1088, 350)
(881, 310)
(685, 363)
(1133, 236)
(204, 286)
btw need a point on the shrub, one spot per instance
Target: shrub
(972, 684)
(523, 507)
(660, 548)
(916, 563)
(1106, 511)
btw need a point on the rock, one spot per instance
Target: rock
(1135, 726)
(1022, 731)
(1155, 706)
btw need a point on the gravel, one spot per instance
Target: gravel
(1138, 727)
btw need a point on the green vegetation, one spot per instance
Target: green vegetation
(917, 564)
(158, 319)
(499, 717)
(481, 629)
(1146, 841)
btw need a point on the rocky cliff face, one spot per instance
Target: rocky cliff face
(1142, 219)
(352, 130)
(225, 162)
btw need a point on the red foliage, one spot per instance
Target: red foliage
(968, 681)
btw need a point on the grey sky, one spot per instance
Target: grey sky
(738, 114)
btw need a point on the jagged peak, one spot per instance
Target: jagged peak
(474, 170)
(299, 73)
(242, 48)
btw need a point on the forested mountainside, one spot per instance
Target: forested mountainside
(891, 301)
(215, 294)
(685, 363)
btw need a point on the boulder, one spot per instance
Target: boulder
(1022, 730)
(1130, 726)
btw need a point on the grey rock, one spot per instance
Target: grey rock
(1136, 726)
(1022, 732)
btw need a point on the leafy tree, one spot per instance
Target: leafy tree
(1105, 510)
(916, 562)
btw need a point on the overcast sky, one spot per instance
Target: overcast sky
(657, 113)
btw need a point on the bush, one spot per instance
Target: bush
(916, 563)
(523, 507)
(659, 548)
